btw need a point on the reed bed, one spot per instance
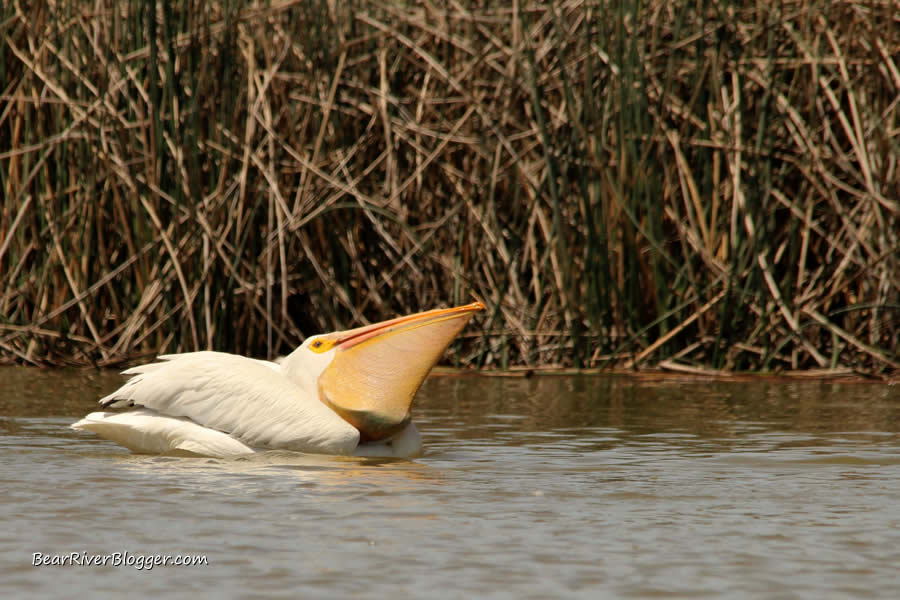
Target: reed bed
(704, 186)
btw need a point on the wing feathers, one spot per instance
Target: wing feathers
(147, 432)
(249, 399)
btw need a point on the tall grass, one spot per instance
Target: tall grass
(697, 184)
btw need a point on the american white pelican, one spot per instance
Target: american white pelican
(347, 392)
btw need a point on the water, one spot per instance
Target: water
(594, 487)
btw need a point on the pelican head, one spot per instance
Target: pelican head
(370, 375)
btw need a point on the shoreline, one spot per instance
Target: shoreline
(665, 371)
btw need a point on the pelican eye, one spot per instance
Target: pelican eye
(320, 346)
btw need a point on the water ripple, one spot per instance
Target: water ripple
(595, 488)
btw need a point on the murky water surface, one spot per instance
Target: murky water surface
(546, 487)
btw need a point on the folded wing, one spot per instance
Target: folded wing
(147, 432)
(248, 399)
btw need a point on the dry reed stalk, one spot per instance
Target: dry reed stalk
(713, 188)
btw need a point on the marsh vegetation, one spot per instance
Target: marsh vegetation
(708, 185)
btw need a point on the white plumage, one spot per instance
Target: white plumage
(218, 404)
(148, 432)
(248, 399)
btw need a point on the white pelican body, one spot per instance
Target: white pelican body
(347, 392)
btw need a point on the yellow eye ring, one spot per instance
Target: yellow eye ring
(320, 346)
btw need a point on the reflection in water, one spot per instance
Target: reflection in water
(540, 487)
(394, 475)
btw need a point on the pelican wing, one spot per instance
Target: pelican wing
(147, 432)
(248, 399)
